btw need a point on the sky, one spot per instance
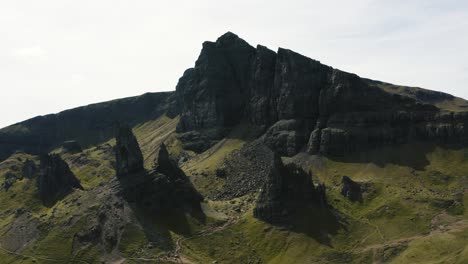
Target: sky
(60, 54)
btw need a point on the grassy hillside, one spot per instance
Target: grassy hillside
(414, 210)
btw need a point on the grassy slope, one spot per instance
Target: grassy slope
(402, 220)
(398, 221)
(447, 103)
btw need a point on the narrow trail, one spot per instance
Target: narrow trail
(42, 258)
(453, 227)
(176, 256)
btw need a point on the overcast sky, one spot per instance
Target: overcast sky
(60, 54)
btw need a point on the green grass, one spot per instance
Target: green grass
(412, 187)
(391, 224)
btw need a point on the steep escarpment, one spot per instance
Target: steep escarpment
(301, 103)
(88, 125)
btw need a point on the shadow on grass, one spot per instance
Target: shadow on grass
(409, 155)
(317, 222)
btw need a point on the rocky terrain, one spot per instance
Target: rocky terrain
(258, 156)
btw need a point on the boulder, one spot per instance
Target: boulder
(129, 158)
(350, 189)
(10, 179)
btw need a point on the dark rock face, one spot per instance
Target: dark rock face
(164, 188)
(56, 179)
(212, 94)
(90, 125)
(351, 189)
(286, 137)
(127, 152)
(173, 188)
(29, 169)
(301, 104)
(306, 105)
(287, 188)
(72, 147)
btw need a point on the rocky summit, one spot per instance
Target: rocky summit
(243, 163)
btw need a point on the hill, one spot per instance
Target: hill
(256, 157)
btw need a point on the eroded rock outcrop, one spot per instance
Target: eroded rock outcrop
(29, 169)
(171, 186)
(129, 158)
(302, 104)
(351, 189)
(55, 179)
(164, 188)
(287, 188)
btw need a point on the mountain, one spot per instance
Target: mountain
(256, 157)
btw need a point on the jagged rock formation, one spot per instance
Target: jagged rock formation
(306, 105)
(171, 186)
(165, 188)
(127, 151)
(287, 188)
(29, 169)
(351, 189)
(72, 147)
(55, 179)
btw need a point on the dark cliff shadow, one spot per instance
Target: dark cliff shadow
(319, 223)
(158, 223)
(409, 155)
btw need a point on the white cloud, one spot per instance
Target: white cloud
(31, 52)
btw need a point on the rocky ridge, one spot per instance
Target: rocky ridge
(303, 104)
(55, 179)
(300, 103)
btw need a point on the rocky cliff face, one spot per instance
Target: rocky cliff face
(88, 125)
(303, 104)
(55, 179)
(166, 187)
(127, 152)
(286, 189)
